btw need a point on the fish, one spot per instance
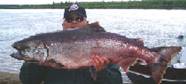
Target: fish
(72, 49)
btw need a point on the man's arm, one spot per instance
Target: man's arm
(31, 73)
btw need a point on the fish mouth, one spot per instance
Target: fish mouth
(17, 55)
(31, 54)
(20, 55)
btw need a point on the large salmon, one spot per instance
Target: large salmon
(73, 49)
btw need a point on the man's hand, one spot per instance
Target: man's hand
(99, 62)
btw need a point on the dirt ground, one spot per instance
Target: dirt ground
(9, 78)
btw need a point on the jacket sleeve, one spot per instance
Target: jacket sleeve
(110, 75)
(32, 73)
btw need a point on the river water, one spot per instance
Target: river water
(156, 27)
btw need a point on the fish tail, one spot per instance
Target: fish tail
(166, 54)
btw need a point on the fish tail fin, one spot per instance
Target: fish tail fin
(166, 54)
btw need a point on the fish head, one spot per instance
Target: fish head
(30, 50)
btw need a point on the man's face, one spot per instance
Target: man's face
(74, 23)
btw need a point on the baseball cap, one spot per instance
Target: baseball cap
(74, 11)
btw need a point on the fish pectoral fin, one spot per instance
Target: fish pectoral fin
(93, 72)
(53, 64)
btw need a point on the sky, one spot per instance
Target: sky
(46, 1)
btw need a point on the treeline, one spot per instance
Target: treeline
(144, 4)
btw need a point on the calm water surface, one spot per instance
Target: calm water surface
(156, 27)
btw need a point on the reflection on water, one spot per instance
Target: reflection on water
(156, 27)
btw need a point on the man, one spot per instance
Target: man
(74, 18)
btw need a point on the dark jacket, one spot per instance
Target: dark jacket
(35, 74)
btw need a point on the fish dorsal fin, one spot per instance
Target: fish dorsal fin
(94, 27)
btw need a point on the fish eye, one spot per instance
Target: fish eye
(22, 52)
(25, 51)
(35, 50)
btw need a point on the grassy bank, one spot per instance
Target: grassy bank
(9, 78)
(145, 4)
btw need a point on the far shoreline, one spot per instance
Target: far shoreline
(144, 4)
